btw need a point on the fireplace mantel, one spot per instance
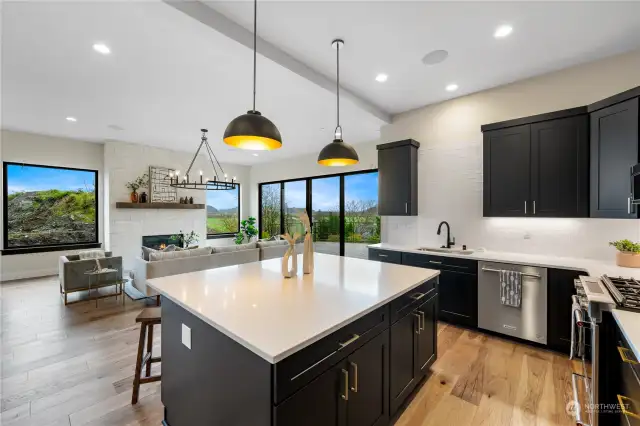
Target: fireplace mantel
(175, 206)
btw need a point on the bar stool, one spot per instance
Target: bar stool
(148, 318)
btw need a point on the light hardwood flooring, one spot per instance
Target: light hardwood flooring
(74, 366)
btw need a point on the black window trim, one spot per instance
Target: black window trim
(226, 234)
(308, 180)
(50, 247)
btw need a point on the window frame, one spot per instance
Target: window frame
(225, 234)
(308, 180)
(6, 250)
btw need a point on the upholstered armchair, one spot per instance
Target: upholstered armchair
(72, 272)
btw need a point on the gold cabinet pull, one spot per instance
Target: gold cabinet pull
(345, 377)
(623, 407)
(354, 386)
(350, 341)
(423, 320)
(419, 327)
(623, 354)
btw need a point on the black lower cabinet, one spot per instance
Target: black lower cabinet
(428, 334)
(560, 289)
(320, 403)
(403, 359)
(458, 298)
(368, 397)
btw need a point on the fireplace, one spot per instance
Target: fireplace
(159, 242)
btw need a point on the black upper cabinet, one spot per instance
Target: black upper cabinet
(537, 166)
(560, 168)
(398, 178)
(507, 176)
(614, 150)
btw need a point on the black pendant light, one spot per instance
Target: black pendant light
(338, 153)
(252, 130)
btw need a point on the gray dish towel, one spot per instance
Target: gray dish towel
(510, 288)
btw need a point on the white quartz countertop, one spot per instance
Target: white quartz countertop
(274, 316)
(592, 267)
(629, 322)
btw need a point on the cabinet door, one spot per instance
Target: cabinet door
(403, 352)
(507, 175)
(368, 403)
(428, 336)
(394, 181)
(614, 150)
(458, 298)
(323, 402)
(560, 288)
(560, 168)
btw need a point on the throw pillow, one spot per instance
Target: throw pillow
(202, 251)
(166, 255)
(262, 244)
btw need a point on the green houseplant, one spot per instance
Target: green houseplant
(137, 183)
(248, 230)
(628, 254)
(187, 239)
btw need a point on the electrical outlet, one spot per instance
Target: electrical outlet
(186, 336)
(527, 236)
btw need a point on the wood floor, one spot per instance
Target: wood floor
(74, 366)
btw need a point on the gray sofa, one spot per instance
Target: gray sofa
(274, 249)
(72, 271)
(145, 270)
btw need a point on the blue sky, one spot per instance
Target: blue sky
(223, 200)
(326, 191)
(33, 178)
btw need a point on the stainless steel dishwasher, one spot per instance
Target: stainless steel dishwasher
(529, 321)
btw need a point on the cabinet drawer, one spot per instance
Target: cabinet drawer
(412, 299)
(389, 256)
(629, 395)
(453, 264)
(295, 371)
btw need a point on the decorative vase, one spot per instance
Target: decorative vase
(628, 259)
(307, 251)
(134, 197)
(143, 197)
(181, 200)
(290, 254)
(190, 200)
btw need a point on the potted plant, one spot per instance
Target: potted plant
(628, 254)
(134, 185)
(187, 239)
(248, 230)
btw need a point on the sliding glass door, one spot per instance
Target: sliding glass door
(343, 211)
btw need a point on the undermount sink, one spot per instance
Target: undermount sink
(445, 250)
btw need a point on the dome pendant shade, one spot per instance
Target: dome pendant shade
(338, 153)
(254, 132)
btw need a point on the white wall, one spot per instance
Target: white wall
(50, 151)
(306, 166)
(123, 163)
(450, 164)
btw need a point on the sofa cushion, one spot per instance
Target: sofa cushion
(198, 251)
(166, 255)
(234, 247)
(146, 251)
(91, 254)
(263, 244)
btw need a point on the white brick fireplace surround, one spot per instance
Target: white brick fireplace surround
(125, 227)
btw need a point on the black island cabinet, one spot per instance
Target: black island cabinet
(359, 375)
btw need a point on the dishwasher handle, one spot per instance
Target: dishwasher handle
(524, 274)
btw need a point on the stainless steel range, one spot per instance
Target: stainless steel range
(625, 292)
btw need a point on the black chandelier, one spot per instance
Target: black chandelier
(219, 182)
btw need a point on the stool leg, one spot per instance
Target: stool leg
(149, 349)
(136, 378)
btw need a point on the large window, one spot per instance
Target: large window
(223, 212)
(343, 210)
(49, 207)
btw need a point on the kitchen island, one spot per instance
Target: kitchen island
(346, 345)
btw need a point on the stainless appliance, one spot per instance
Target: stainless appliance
(590, 300)
(529, 321)
(625, 292)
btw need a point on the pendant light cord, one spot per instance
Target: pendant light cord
(255, 32)
(336, 134)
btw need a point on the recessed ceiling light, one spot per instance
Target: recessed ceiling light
(502, 31)
(435, 57)
(101, 48)
(381, 78)
(255, 155)
(451, 87)
(72, 119)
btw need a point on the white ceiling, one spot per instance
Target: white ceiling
(393, 36)
(167, 77)
(170, 75)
